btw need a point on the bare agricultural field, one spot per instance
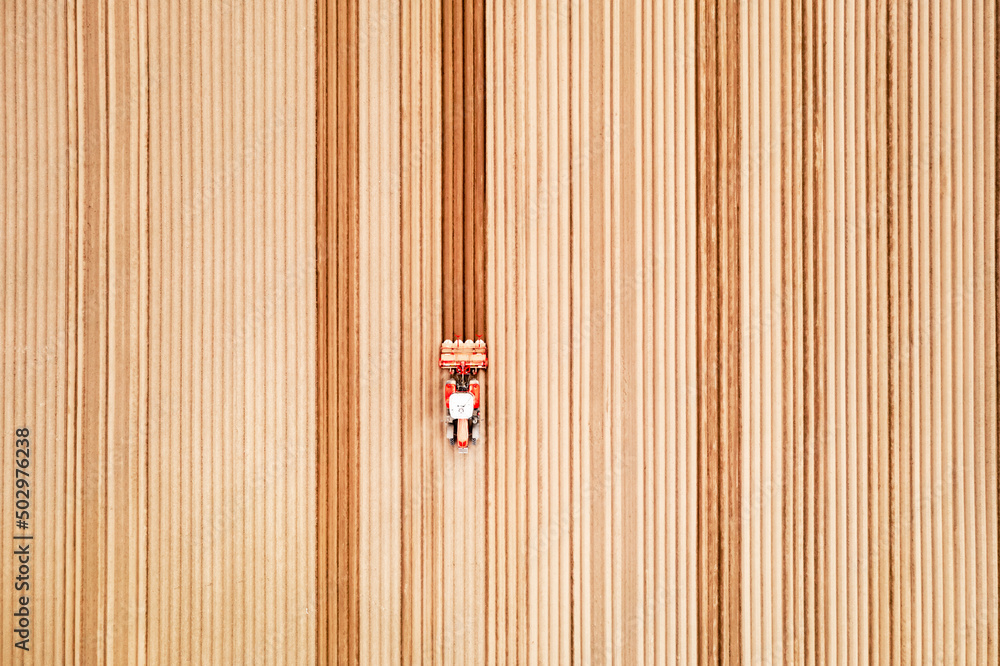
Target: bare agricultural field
(735, 265)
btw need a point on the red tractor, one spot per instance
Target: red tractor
(463, 358)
